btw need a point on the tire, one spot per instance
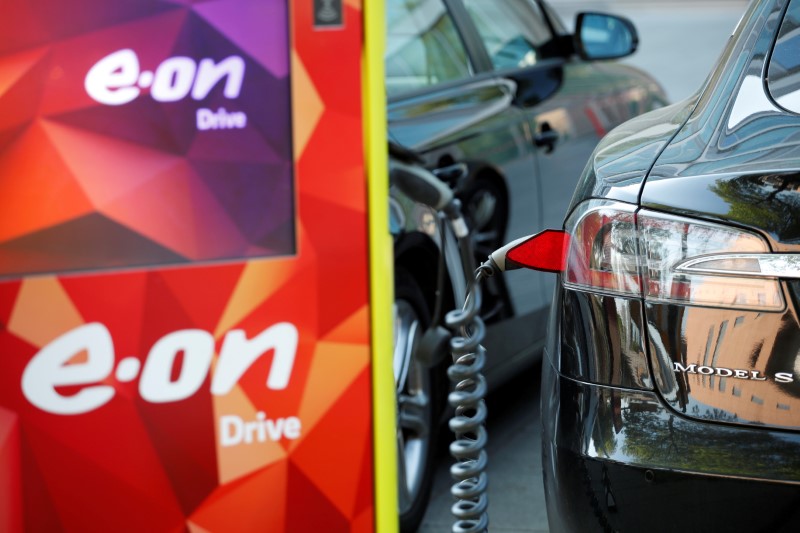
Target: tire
(486, 211)
(417, 403)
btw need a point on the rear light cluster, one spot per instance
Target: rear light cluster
(615, 249)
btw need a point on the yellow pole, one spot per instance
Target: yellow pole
(381, 270)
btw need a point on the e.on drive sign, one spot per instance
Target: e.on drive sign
(118, 79)
(49, 368)
(159, 382)
(179, 350)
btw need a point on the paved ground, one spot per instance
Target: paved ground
(516, 494)
(680, 42)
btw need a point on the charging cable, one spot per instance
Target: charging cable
(469, 357)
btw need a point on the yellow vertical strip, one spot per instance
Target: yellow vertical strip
(381, 269)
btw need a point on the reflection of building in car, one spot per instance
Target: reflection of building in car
(719, 378)
(502, 87)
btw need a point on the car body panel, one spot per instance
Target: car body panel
(766, 202)
(620, 163)
(735, 126)
(619, 460)
(715, 432)
(736, 161)
(612, 349)
(731, 366)
(446, 115)
(618, 93)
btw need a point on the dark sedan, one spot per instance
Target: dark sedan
(501, 88)
(671, 386)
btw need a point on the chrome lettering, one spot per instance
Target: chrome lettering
(737, 373)
(691, 369)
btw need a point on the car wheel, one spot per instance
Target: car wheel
(486, 209)
(417, 411)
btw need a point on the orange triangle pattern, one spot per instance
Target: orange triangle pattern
(152, 456)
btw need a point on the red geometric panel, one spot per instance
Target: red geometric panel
(49, 195)
(259, 502)
(211, 369)
(10, 473)
(309, 509)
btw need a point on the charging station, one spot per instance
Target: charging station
(195, 313)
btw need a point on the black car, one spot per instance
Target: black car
(671, 381)
(500, 90)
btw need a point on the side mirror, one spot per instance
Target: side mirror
(602, 36)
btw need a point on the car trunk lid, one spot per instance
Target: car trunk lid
(734, 365)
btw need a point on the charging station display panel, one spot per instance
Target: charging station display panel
(142, 133)
(184, 304)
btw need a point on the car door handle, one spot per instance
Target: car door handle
(546, 138)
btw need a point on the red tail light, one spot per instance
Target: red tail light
(615, 249)
(603, 255)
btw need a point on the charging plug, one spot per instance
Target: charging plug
(545, 251)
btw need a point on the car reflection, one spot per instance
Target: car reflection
(634, 427)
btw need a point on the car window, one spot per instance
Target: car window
(783, 74)
(423, 47)
(512, 31)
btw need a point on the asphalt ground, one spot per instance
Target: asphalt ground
(516, 491)
(680, 41)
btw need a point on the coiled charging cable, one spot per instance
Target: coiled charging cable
(468, 422)
(469, 357)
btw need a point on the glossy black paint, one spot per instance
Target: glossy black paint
(683, 450)
(767, 202)
(537, 84)
(736, 161)
(618, 460)
(735, 127)
(602, 339)
(617, 168)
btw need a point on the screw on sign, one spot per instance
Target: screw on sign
(328, 13)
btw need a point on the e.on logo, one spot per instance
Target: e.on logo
(117, 78)
(51, 368)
